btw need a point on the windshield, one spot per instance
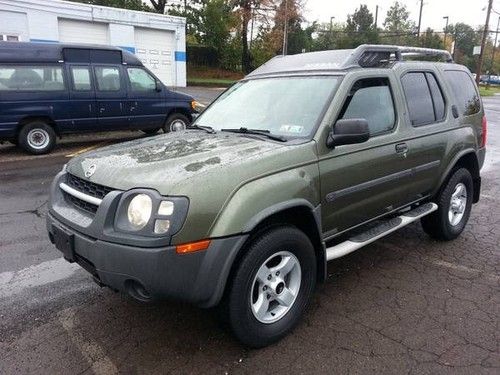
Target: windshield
(289, 106)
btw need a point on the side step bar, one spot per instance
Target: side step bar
(381, 230)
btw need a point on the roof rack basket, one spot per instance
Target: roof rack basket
(370, 55)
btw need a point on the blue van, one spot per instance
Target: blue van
(47, 90)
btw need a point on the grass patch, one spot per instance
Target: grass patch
(211, 77)
(209, 82)
(489, 91)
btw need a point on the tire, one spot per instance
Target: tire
(275, 247)
(176, 122)
(150, 131)
(449, 221)
(37, 138)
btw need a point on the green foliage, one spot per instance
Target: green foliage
(359, 28)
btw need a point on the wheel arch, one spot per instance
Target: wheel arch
(466, 159)
(299, 213)
(182, 110)
(28, 119)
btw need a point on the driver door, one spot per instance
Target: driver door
(362, 181)
(146, 100)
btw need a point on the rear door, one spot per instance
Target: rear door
(146, 104)
(362, 181)
(424, 138)
(111, 97)
(83, 108)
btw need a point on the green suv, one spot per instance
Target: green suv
(307, 159)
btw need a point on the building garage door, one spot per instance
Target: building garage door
(71, 31)
(156, 49)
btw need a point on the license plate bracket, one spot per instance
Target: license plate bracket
(65, 242)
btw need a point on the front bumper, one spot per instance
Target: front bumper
(156, 273)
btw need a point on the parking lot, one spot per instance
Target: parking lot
(405, 304)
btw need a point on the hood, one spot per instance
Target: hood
(167, 160)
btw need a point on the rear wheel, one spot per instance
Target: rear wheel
(454, 207)
(176, 122)
(37, 138)
(272, 286)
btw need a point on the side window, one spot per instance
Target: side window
(464, 90)
(81, 79)
(371, 99)
(418, 98)
(140, 80)
(31, 78)
(437, 97)
(108, 78)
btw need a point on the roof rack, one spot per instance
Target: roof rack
(372, 55)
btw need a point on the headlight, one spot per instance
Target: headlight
(139, 211)
(146, 213)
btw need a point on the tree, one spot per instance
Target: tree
(159, 5)
(360, 28)
(124, 4)
(399, 29)
(430, 39)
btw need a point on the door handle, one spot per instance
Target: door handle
(402, 148)
(102, 109)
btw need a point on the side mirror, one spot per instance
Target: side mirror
(348, 131)
(158, 86)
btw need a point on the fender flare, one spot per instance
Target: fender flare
(452, 165)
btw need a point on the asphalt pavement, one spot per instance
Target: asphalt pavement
(405, 304)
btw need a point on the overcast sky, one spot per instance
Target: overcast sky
(467, 11)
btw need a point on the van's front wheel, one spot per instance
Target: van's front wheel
(272, 286)
(176, 122)
(37, 138)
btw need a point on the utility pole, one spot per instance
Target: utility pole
(285, 31)
(494, 47)
(445, 30)
(420, 18)
(376, 16)
(483, 42)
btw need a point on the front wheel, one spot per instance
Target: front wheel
(37, 138)
(272, 286)
(176, 122)
(454, 207)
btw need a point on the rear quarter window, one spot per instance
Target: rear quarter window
(464, 90)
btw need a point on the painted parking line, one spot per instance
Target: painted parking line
(93, 147)
(94, 354)
(14, 282)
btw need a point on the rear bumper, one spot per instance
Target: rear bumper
(198, 278)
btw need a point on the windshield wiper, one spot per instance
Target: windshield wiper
(208, 129)
(265, 133)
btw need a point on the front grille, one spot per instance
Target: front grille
(89, 207)
(88, 188)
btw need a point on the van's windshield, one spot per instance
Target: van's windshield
(289, 107)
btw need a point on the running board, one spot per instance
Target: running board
(381, 230)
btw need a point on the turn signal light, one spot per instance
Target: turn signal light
(192, 247)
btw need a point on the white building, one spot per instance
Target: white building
(158, 40)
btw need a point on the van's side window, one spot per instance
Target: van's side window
(31, 78)
(424, 98)
(371, 99)
(108, 78)
(140, 80)
(81, 79)
(465, 91)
